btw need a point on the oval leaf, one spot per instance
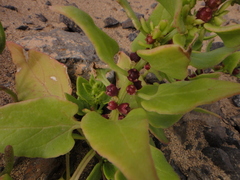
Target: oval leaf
(38, 75)
(105, 46)
(170, 59)
(183, 96)
(38, 127)
(229, 34)
(125, 143)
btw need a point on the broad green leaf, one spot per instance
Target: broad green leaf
(38, 127)
(229, 34)
(205, 60)
(231, 62)
(38, 75)
(119, 176)
(2, 38)
(96, 173)
(163, 120)
(183, 96)
(105, 46)
(169, 59)
(159, 134)
(125, 143)
(164, 169)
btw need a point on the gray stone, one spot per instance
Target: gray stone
(215, 136)
(236, 100)
(110, 22)
(73, 49)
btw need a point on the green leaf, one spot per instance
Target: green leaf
(124, 143)
(2, 38)
(105, 46)
(163, 120)
(96, 173)
(169, 59)
(229, 34)
(231, 62)
(38, 127)
(183, 96)
(209, 59)
(159, 134)
(164, 169)
(38, 75)
(119, 176)
(109, 170)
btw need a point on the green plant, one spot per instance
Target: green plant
(40, 124)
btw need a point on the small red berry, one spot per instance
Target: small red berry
(112, 90)
(112, 105)
(149, 39)
(213, 4)
(147, 66)
(134, 57)
(204, 13)
(124, 108)
(133, 75)
(131, 89)
(138, 84)
(236, 71)
(120, 117)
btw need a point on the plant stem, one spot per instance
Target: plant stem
(67, 157)
(83, 164)
(10, 92)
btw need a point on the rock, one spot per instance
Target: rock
(236, 100)
(128, 23)
(73, 49)
(22, 27)
(181, 131)
(38, 28)
(216, 45)
(132, 36)
(13, 8)
(220, 158)
(215, 136)
(48, 3)
(41, 17)
(110, 22)
(72, 26)
(154, 5)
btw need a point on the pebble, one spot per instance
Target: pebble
(13, 8)
(236, 100)
(110, 22)
(22, 27)
(41, 17)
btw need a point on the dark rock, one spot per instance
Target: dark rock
(72, 26)
(38, 28)
(216, 45)
(215, 136)
(73, 49)
(181, 131)
(220, 158)
(189, 147)
(110, 22)
(199, 173)
(128, 23)
(41, 17)
(13, 8)
(48, 3)
(236, 100)
(132, 36)
(22, 27)
(234, 156)
(154, 5)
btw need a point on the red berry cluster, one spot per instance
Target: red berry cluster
(205, 13)
(133, 75)
(112, 90)
(123, 108)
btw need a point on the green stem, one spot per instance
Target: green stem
(67, 157)
(83, 164)
(10, 92)
(77, 136)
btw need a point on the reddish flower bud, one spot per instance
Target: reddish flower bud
(149, 39)
(134, 57)
(131, 89)
(133, 75)
(112, 105)
(213, 4)
(112, 90)
(147, 66)
(138, 84)
(205, 14)
(124, 108)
